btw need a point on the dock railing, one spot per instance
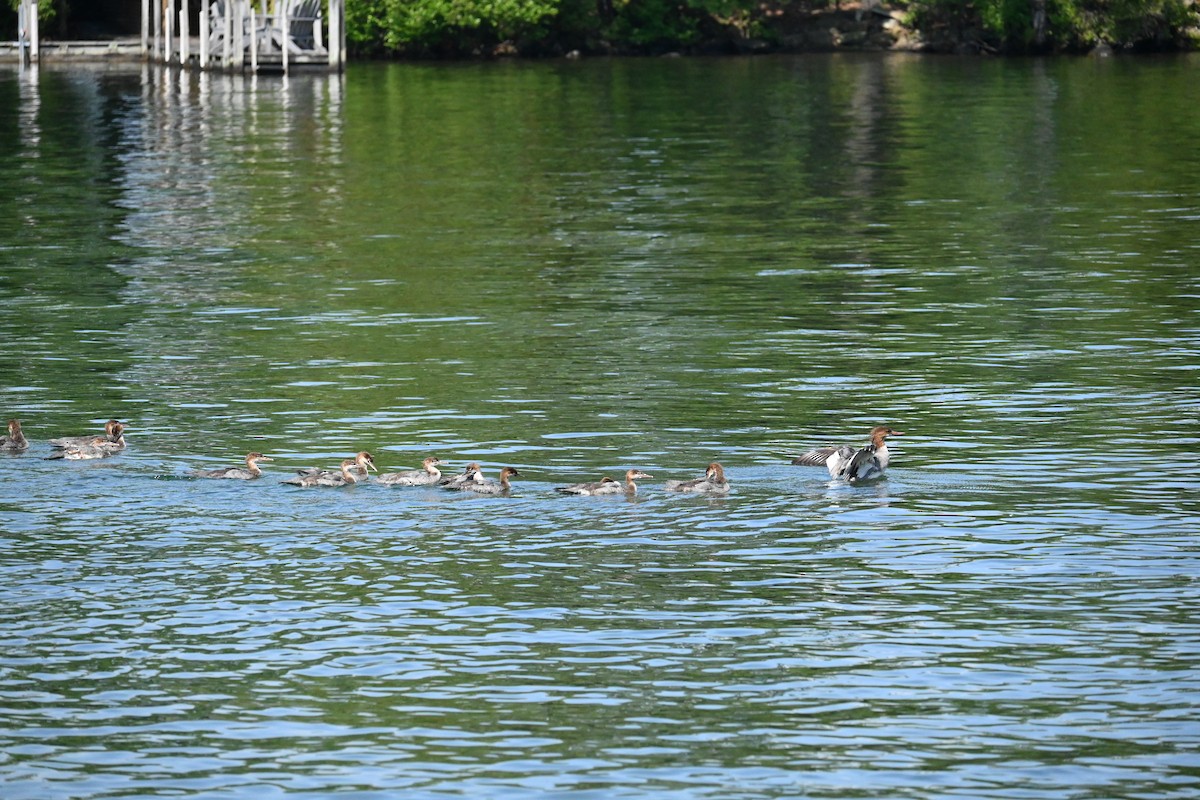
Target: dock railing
(241, 35)
(27, 31)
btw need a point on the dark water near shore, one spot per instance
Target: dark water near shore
(575, 268)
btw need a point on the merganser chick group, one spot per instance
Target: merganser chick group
(249, 472)
(427, 476)
(713, 482)
(481, 486)
(81, 448)
(606, 485)
(845, 463)
(15, 441)
(473, 472)
(347, 476)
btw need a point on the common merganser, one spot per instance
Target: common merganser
(349, 474)
(246, 473)
(481, 486)
(713, 482)
(473, 472)
(430, 474)
(82, 448)
(15, 442)
(606, 485)
(83, 452)
(113, 438)
(846, 463)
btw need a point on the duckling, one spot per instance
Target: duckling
(249, 472)
(481, 486)
(713, 482)
(607, 485)
(347, 476)
(82, 448)
(82, 452)
(427, 476)
(471, 473)
(113, 436)
(15, 441)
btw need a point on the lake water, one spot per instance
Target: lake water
(575, 268)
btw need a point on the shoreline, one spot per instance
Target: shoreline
(791, 30)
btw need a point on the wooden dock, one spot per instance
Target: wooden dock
(234, 35)
(127, 49)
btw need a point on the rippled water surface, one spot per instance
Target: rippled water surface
(576, 268)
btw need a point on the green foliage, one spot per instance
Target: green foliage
(1070, 24)
(451, 26)
(1140, 21)
(1012, 20)
(47, 11)
(366, 25)
(655, 24)
(579, 24)
(658, 25)
(461, 27)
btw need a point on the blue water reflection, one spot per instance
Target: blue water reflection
(576, 269)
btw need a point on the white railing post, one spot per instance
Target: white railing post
(253, 38)
(145, 29)
(168, 30)
(23, 32)
(239, 34)
(204, 32)
(185, 34)
(34, 34)
(285, 29)
(335, 34)
(228, 23)
(318, 35)
(34, 45)
(157, 29)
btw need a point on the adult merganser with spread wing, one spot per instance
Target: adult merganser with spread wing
(713, 482)
(347, 476)
(846, 463)
(606, 485)
(15, 441)
(246, 473)
(481, 486)
(427, 476)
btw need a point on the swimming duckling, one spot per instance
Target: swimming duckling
(347, 476)
(15, 441)
(82, 448)
(606, 485)
(473, 472)
(113, 437)
(427, 476)
(481, 486)
(713, 482)
(249, 472)
(84, 452)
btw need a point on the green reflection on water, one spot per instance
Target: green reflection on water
(734, 258)
(740, 247)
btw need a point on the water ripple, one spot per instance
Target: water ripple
(578, 270)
